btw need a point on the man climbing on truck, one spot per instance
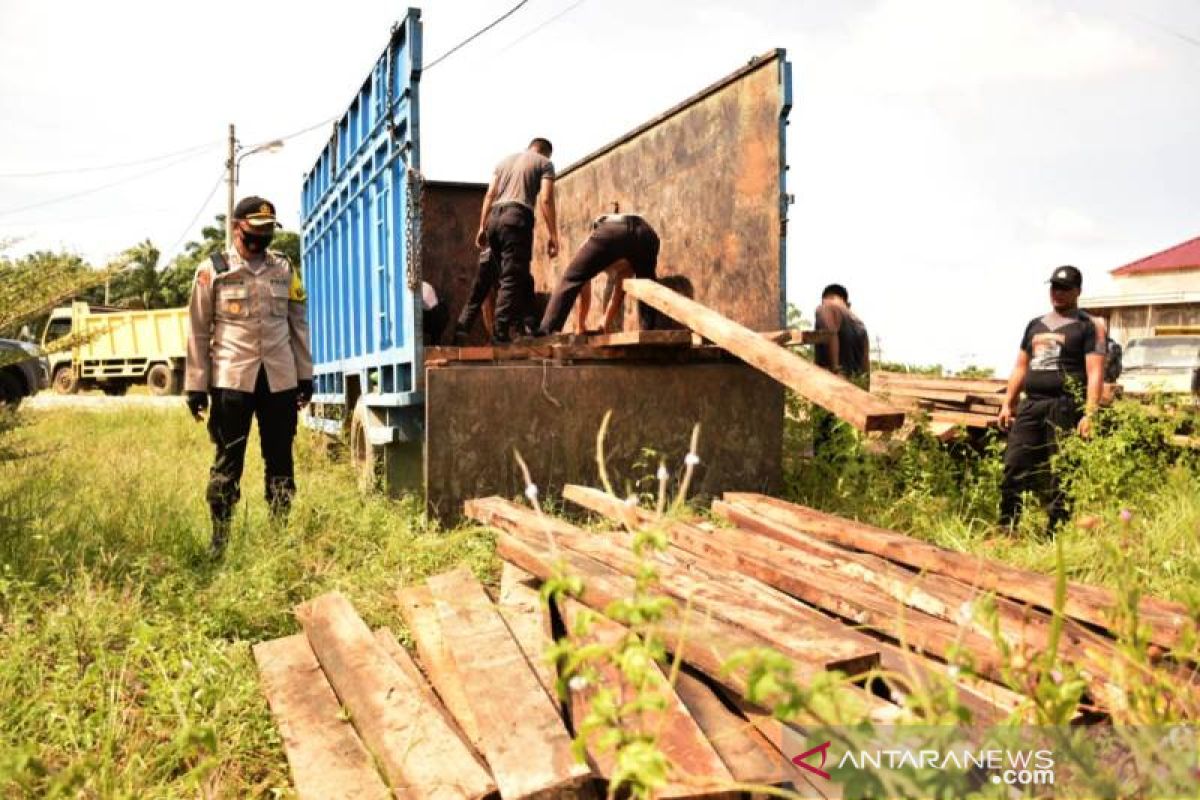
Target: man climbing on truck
(520, 182)
(248, 351)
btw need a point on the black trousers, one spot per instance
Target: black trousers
(485, 280)
(229, 428)
(631, 239)
(1032, 442)
(510, 237)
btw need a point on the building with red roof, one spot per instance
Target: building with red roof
(1159, 291)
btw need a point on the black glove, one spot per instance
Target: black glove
(304, 391)
(197, 402)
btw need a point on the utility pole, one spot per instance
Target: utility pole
(231, 179)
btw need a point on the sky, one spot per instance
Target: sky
(944, 155)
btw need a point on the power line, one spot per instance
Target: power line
(526, 35)
(474, 36)
(121, 165)
(200, 211)
(99, 188)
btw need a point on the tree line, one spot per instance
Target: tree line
(135, 279)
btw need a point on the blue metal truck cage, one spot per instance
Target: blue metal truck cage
(363, 281)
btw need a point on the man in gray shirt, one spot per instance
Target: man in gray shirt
(521, 182)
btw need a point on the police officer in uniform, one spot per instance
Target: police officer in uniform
(1061, 369)
(248, 354)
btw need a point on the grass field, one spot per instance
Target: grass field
(125, 664)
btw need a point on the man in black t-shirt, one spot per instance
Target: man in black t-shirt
(1061, 369)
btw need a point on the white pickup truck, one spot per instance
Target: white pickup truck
(1162, 365)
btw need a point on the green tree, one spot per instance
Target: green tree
(288, 244)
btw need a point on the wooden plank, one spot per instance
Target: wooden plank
(961, 418)
(644, 352)
(701, 640)
(528, 619)
(1025, 629)
(522, 736)
(981, 385)
(827, 390)
(820, 584)
(1092, 604)
(675, 338)
(824, 645)
(389, 643)
(420, 616)
(926, 394)
(326, 757)
(696, 768)
(419, 753)
(749, 756)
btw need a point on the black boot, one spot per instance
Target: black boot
(461, 335)
(220, 536)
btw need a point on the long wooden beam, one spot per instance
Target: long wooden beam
(1165, 620)
(859, 408)
(326, 757)
(420, 753)
(522, 736)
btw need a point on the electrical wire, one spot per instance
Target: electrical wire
(474, 36)
(200, 211)
(121, 165)
(99, 188)
(526, 35)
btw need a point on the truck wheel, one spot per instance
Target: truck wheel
(162, 380)
(11, 391)
(65, 380)
(393, 468)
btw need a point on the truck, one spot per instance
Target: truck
(23, 372)
(111, 349)
(711, 171)
(1167, 363)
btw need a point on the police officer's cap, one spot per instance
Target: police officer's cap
(256, 211)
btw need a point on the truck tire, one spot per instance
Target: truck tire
(394, 468)
(161, 380)
(65, 380)
(12, 389)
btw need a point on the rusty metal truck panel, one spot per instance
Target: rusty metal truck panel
(709, 175)
(476, 415)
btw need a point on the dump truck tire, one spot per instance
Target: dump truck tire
(394, 468)
(11, 390)
(65, 380)
(161, 380)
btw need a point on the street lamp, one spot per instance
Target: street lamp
(231, 166)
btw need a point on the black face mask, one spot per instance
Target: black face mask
(256, 242)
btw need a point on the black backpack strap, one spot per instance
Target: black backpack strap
(220, 263)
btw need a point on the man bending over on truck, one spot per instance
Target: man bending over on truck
(519, 182)
(248, 351)
(624, 246)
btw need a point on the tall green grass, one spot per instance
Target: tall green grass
(125, 662)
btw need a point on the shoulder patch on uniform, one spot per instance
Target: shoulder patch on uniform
(296, 293)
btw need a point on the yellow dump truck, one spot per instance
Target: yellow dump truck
(113, 348)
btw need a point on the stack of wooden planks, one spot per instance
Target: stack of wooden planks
(831, 593)
(971, 403)
(479, 713)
